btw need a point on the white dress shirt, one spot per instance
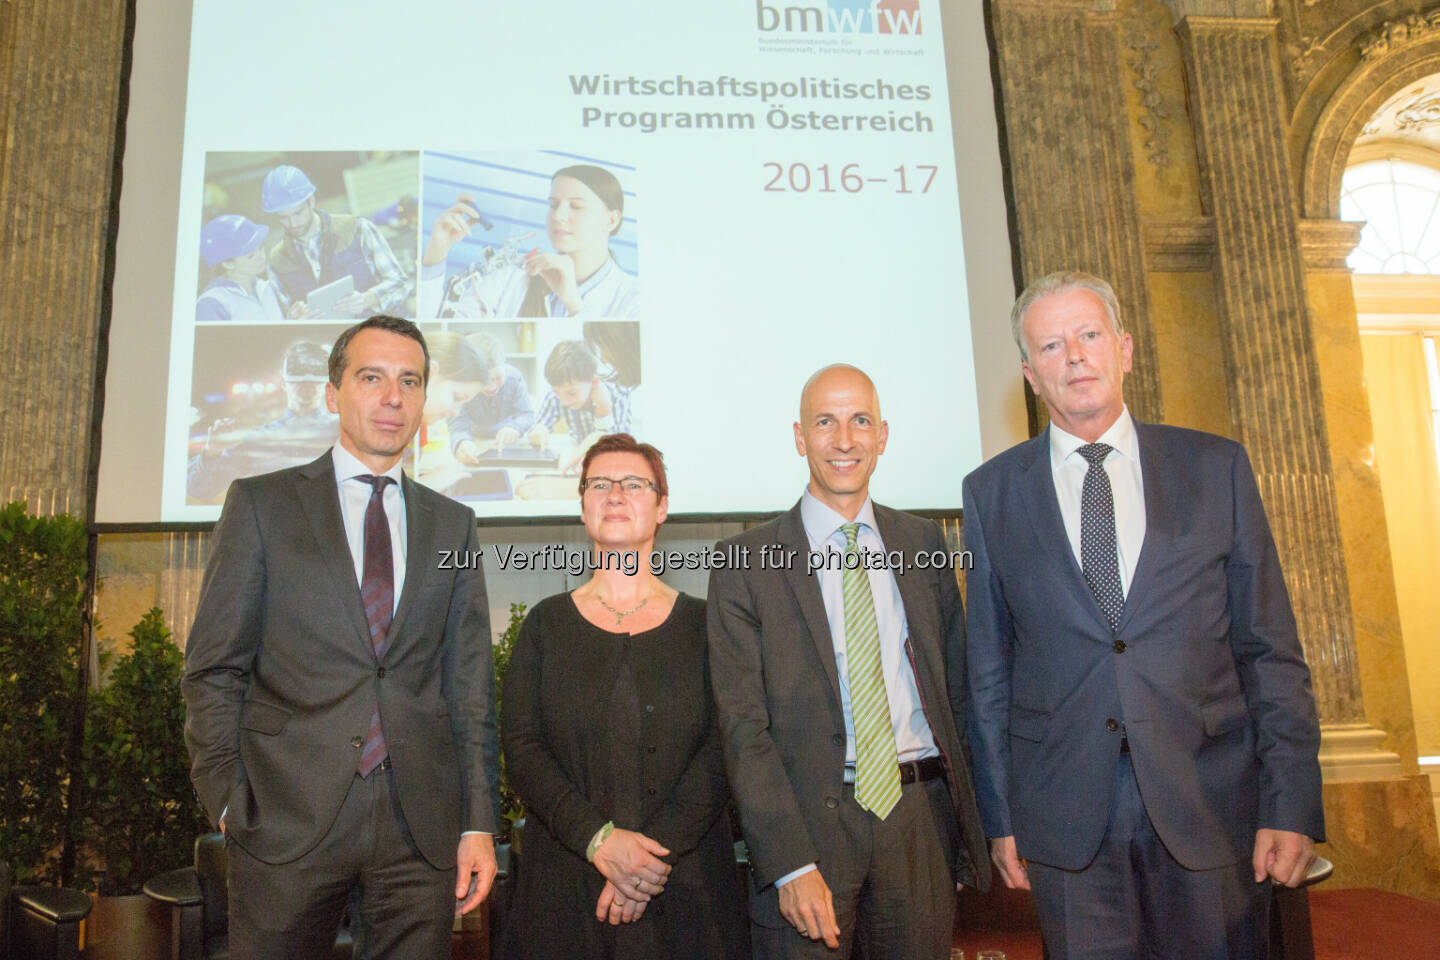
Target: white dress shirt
(913, 740)
(1122, 466)
(355, 498)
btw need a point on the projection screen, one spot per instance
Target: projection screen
(658, 218)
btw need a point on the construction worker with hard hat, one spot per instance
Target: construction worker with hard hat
(319, 248)
(243, 288)
(305, 428)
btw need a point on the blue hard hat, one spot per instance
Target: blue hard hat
(230, 235)
(285, 187)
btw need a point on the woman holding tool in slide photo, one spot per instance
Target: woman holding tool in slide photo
(243, 288)
(580, 278)
(610, 739)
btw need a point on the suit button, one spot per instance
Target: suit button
(649, 708)
(650, 792)
(838, 739)
(831, 803)
(1112, 724)
(1119, 646)
(649, 749)
(357, 742)
(380, 673)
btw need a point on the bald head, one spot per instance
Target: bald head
(840, 376)
(841, 435)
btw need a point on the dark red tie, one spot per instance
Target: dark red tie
(377, 590)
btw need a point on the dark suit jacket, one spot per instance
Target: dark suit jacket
(777, 690)
(281, 677)
(1205, 672)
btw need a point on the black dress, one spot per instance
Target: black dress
(601, 726)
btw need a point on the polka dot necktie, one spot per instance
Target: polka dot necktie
(1098, 557)
(877, 763)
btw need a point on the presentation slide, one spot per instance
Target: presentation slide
(651, 218)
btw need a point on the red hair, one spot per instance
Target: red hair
(624, 443)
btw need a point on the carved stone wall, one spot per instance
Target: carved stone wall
(1070, 162)
(60, 74)
(1275, 402)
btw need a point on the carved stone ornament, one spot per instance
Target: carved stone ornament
(1421, 113)
(1395, 34)
(1147, 73)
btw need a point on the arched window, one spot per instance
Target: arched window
(1400, 204)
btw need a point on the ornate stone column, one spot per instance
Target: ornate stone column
(1069, 159)
(1276, 405)
(60, 81)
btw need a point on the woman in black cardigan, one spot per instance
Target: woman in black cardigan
(610, 740)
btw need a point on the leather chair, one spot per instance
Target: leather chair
(42, 923)
(200, 905)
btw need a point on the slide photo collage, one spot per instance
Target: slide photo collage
(520, 267)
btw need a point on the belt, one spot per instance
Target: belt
(927, 769)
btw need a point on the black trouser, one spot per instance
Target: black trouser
(892, 881)
(1135, 902)
(293, 910)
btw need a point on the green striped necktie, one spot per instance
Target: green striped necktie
(877, 768)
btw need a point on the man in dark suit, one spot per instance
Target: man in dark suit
(339, 683)
(1144, 731)
(840, 687)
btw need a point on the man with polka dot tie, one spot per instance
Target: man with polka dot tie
(1141, 719)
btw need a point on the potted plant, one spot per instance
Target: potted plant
(42, 591)
(142, 816)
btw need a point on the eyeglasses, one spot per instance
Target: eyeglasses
(630, 486)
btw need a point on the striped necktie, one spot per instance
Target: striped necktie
(877, 767)
(377, 590)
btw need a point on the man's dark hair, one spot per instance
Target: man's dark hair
(380, 321)
(570, 362)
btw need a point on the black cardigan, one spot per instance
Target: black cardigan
(556, 698)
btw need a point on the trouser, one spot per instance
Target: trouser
(1135, 901)
(405, 909)
(892, 881)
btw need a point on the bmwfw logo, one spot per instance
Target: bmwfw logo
(842, 16)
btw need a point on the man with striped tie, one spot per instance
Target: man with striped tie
(1144, 733)
(839, 685)
(339, 683)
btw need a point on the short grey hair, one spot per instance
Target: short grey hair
(1062, 281)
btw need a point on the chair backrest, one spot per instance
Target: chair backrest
(210, 865)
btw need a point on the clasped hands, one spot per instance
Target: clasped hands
(634, 873)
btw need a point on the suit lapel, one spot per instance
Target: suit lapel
(1049, 528)
(1162, 484)
(320, 499)
(920, 607)
(805, 588)
(419, 536)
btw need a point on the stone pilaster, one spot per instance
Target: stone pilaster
(60, 80)
(1070, 162)
(1276, 407)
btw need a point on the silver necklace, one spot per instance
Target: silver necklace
(620, 615)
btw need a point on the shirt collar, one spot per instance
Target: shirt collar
(598, 277)
(348, 466)
(821, 522)
(1120, 436)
